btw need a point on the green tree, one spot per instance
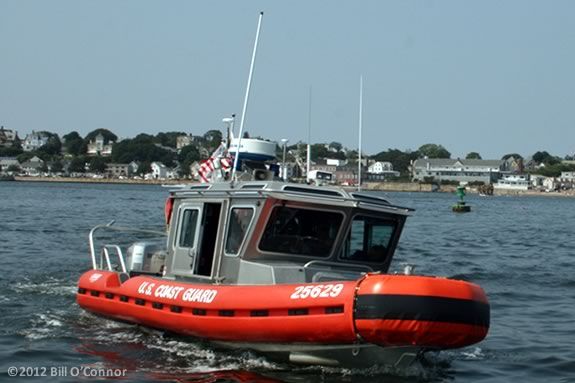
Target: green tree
(53, 147)
(144, 168)
(187, 156)
(44, 167)
(141, 149)
(319, 151)
(74, 144)
(13, 168)
(399, 159)
(98, 164)
(433, 151)
(24, 157)
(56, 167)
(10, 151)
(473, 156)
(169, 138)
(543, 157)
(213, 139)
(77, 165)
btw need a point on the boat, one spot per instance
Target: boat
(298, 272)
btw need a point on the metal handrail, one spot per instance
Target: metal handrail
(106, 255)
(362, 268)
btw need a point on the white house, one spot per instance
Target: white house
(551, 184)
(567, 177)
(513, 182)
(98, 147)
(32, 166)
(440, 169)
(34, 141)
(380, 167)
(335, 162)
(159, 170)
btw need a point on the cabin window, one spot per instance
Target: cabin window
(368, 239)
(297, 231)
(240, 219)
(188, 228)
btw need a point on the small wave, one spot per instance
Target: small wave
(45, 325)
(50, 287)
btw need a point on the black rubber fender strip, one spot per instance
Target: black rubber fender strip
(422, 308)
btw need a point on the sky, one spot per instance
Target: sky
(490, 76)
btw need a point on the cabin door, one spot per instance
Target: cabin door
(195, 242)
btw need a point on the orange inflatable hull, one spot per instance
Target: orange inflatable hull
(387, 310)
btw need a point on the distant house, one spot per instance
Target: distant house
(32, 166)
(98, 146)
(323, 166)
(379, 170)
(514, 182)
(6, 162)
(514, 165)
(159, 170)
(34, 141)
(567, 177)
(7, 137)
(335, 162)
(346, 174)
(444, 169)
(133, 167)
(551, 184)
(380, 167)
(118, 170)
(183, 141)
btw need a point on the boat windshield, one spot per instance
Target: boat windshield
(368, 239)
(299, 231)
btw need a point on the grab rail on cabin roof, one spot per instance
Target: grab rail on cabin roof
(105, 251)
(346, 266)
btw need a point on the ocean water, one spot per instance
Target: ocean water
(521, 250)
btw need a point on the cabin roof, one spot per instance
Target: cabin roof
(325, 195)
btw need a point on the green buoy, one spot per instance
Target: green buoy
(460, 206)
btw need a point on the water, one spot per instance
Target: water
(521, 250)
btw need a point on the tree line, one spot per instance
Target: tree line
(146, 148)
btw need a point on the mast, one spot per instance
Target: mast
(247, 96)
(360, 127)
(308, 152)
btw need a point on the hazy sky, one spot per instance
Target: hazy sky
(487, 76)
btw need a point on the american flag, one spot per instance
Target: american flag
(217, 160)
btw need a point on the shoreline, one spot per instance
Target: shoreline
(371, 186)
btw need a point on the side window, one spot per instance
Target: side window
(368, 239)
(240, 218)
(301, 231)
(188, 228)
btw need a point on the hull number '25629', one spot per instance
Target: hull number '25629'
(317, 291)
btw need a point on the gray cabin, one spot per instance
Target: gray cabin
(272, 232)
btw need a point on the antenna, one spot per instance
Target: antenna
(308, 154)
(360, 126)
(247, 96)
